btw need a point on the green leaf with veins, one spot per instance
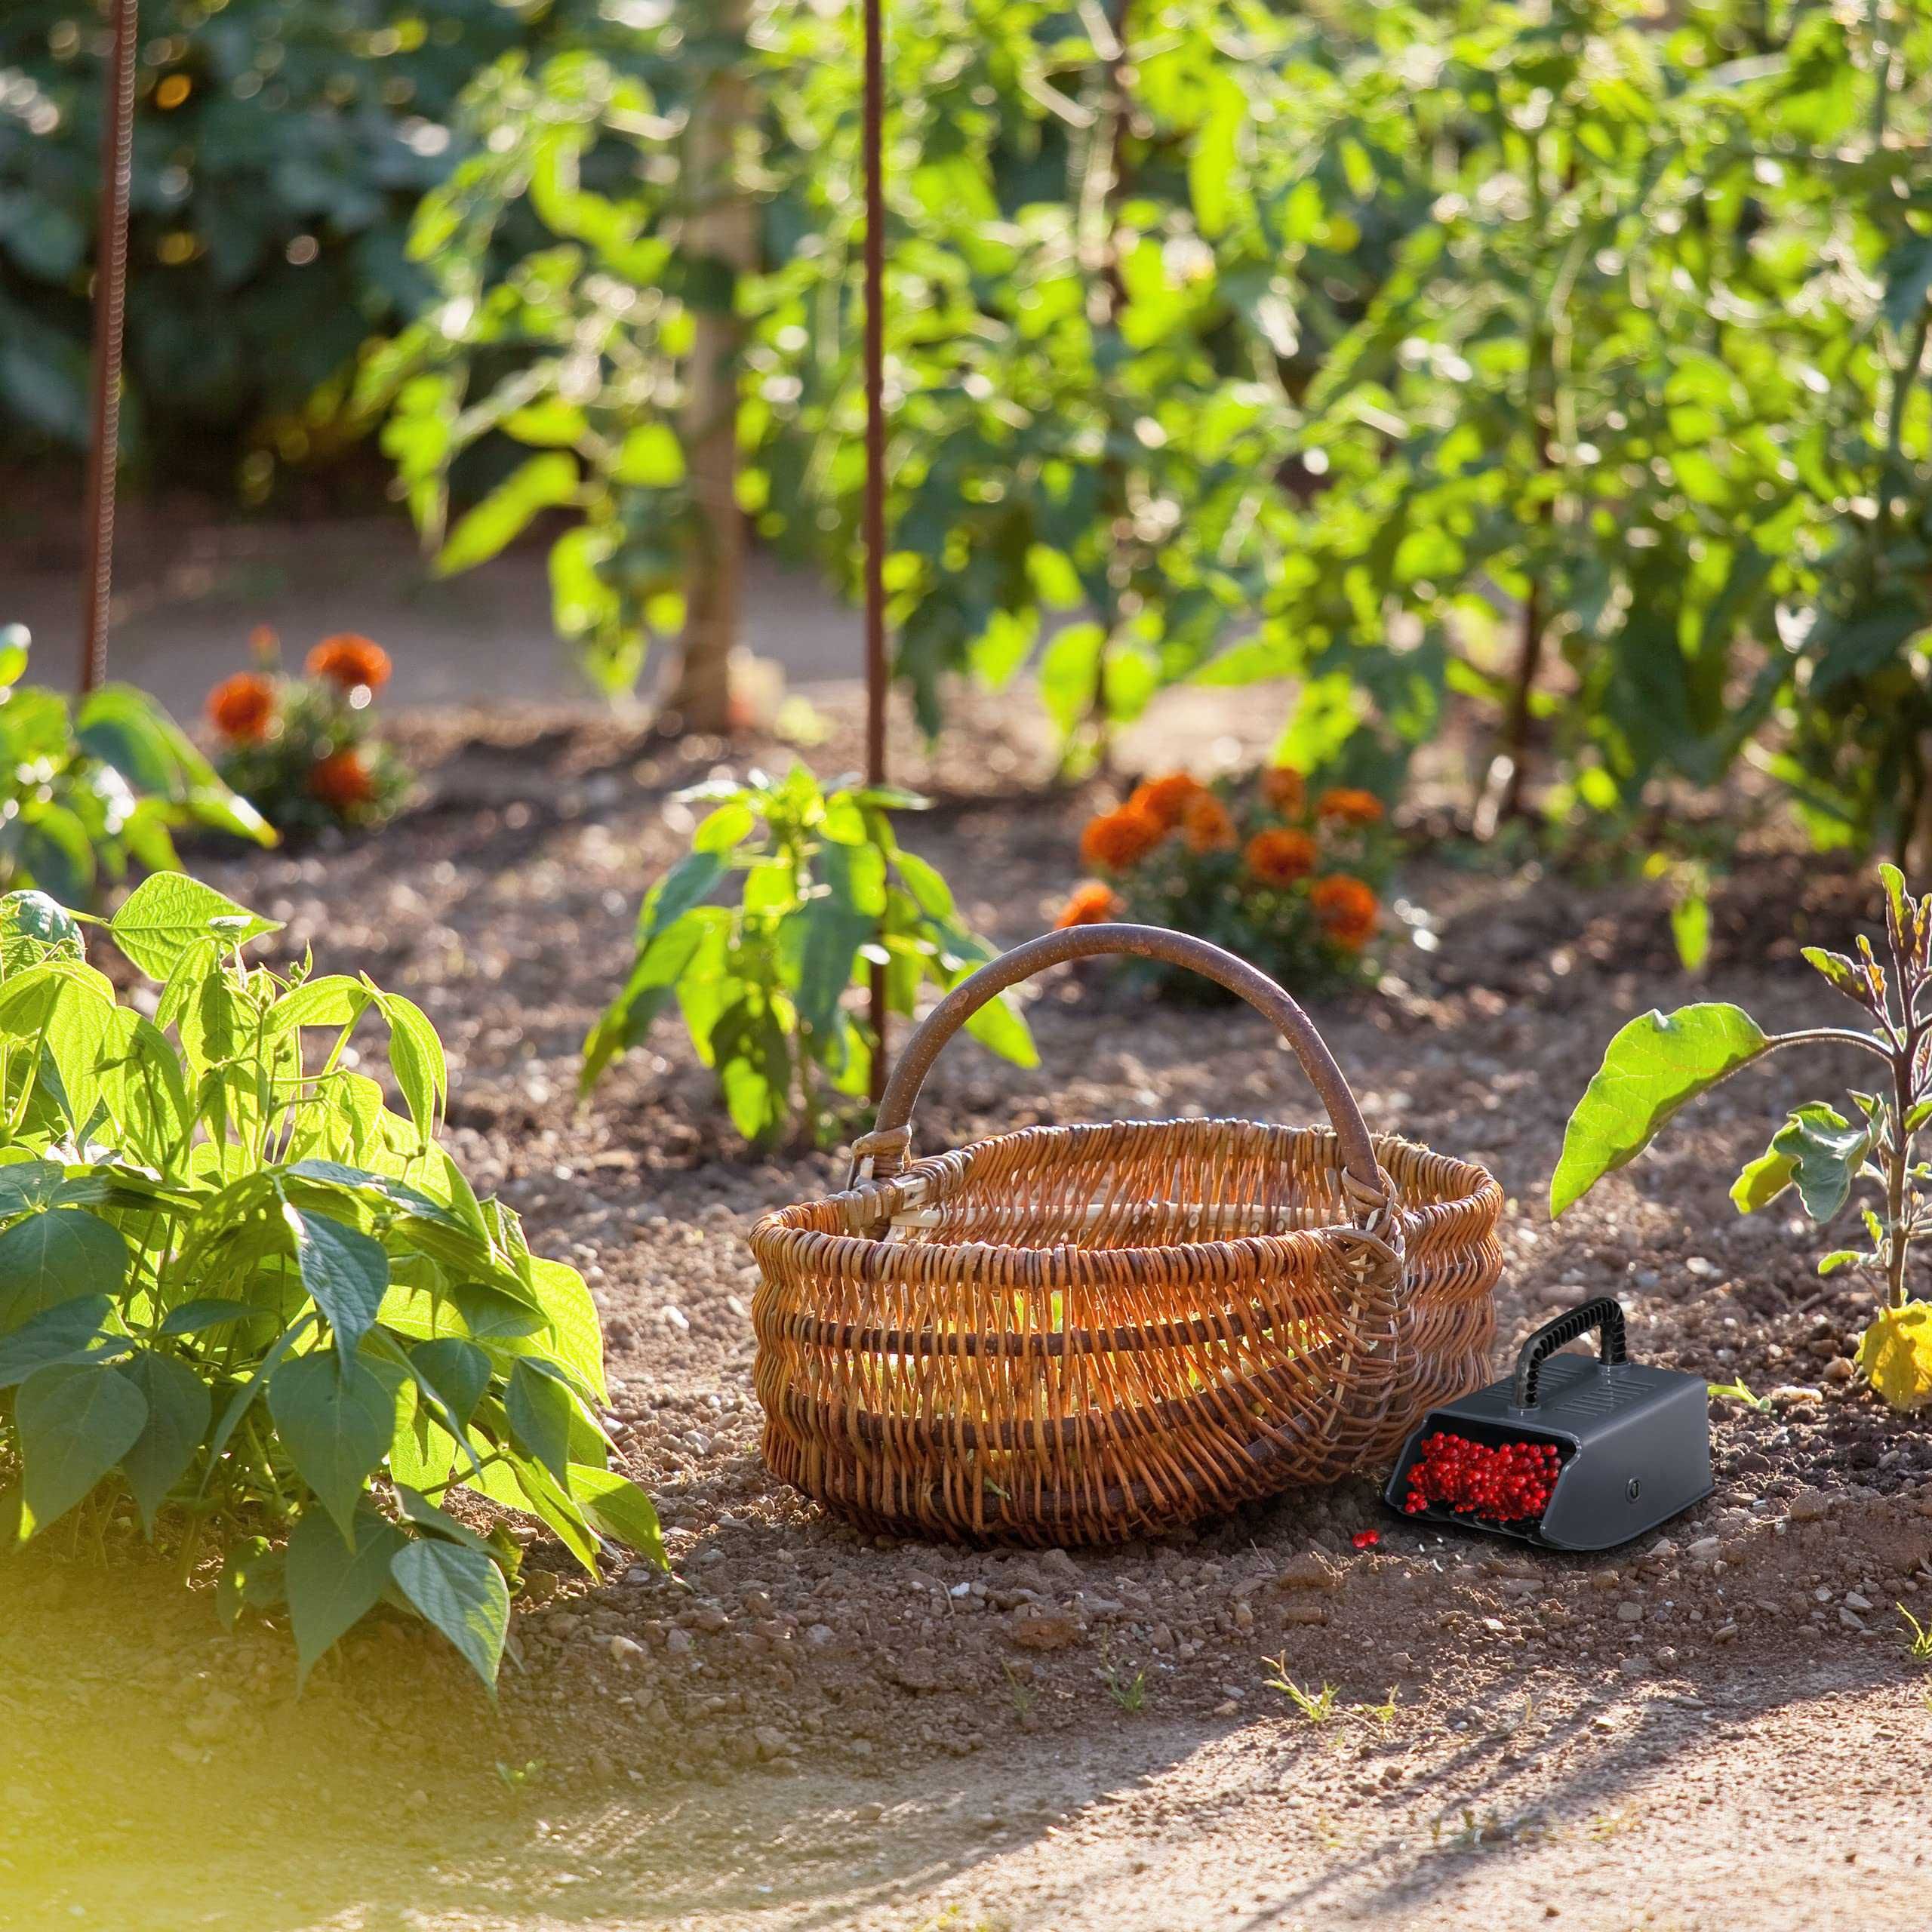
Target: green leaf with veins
(1657, 1065)
(338, 1417)
(1825, 1152)
(462, 1593)
(333, 1582)
(76, 1422)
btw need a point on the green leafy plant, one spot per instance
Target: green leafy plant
(1313, 1706)
(305, 749)
(827, 895)
(88, 789)
(239, 1290)
(1659, 1063)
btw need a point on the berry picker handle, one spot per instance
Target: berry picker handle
(885, 1145)
(1603, 1315)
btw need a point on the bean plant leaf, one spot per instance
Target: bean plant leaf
(345, 1271)
(540, 1409)
(1655, 1065)
(252, 1577)
(180, 1406)
(73, 1331)
(338, 1418)
(34, 927)
(617, 1507)
(461, 1592)
(332, 1583)
(169, 912)
(54, 1255)
(75, 1422)
(457, 1370)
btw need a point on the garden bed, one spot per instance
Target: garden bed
(787, 1645)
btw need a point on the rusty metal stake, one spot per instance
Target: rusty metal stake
(110, 315)
(875, 508)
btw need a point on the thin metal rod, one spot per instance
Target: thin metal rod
(874, 143)
(110, 316)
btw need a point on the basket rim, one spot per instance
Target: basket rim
(846, 1250)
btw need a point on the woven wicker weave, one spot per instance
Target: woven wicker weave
(1073, 1334)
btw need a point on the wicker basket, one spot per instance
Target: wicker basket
(1078, 1334)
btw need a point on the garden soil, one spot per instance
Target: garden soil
(805, 1728)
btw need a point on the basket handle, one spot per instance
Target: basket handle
(1603, 1315)
(884, 1149)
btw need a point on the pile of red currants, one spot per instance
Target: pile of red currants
(1511, 1483)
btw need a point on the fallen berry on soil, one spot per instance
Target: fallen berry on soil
(1366, 1539)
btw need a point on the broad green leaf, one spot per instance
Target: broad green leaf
(1843, 975)
(167, 913)
(577, 1336)
(336, 1418)
(457, 1370)
(416, 1058)
(332, 1583)
(74, 1331)
(621, 1511)
(997, 1026)
(54, 1255)
(1762, 1181)
(539, 1408)
(335, 1000)
(75, 1422)
(1825, 1152)
(345, 1271)
(463, 1594)
(543, 482)
(1655, 1065)
(179, 1408)
(34, 927)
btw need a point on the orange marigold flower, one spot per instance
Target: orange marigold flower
(1347, 908)
(1284, 787)
(349, 660)
(1206, 825)
(1117, 840)
(242, 708)
(1278, 858)
(341, 780)
(1344, 806)
(1092, 904)
(1166, 799)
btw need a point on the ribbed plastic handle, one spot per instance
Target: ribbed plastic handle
(1173, 949)
(1603, 1315)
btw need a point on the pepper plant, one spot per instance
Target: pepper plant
(1658, 1063)
(89, 788)
(239, 1290)
(827, 892)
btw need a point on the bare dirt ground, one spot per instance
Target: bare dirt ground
(804, 1728)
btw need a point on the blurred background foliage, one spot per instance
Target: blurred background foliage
(1561, 363)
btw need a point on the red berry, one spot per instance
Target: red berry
(1366, 1539)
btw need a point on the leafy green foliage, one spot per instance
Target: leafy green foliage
(90, 790)
(825, 891)
(1655, 1065)
(237, 1284)
(1658, 1063)
(279, 153)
